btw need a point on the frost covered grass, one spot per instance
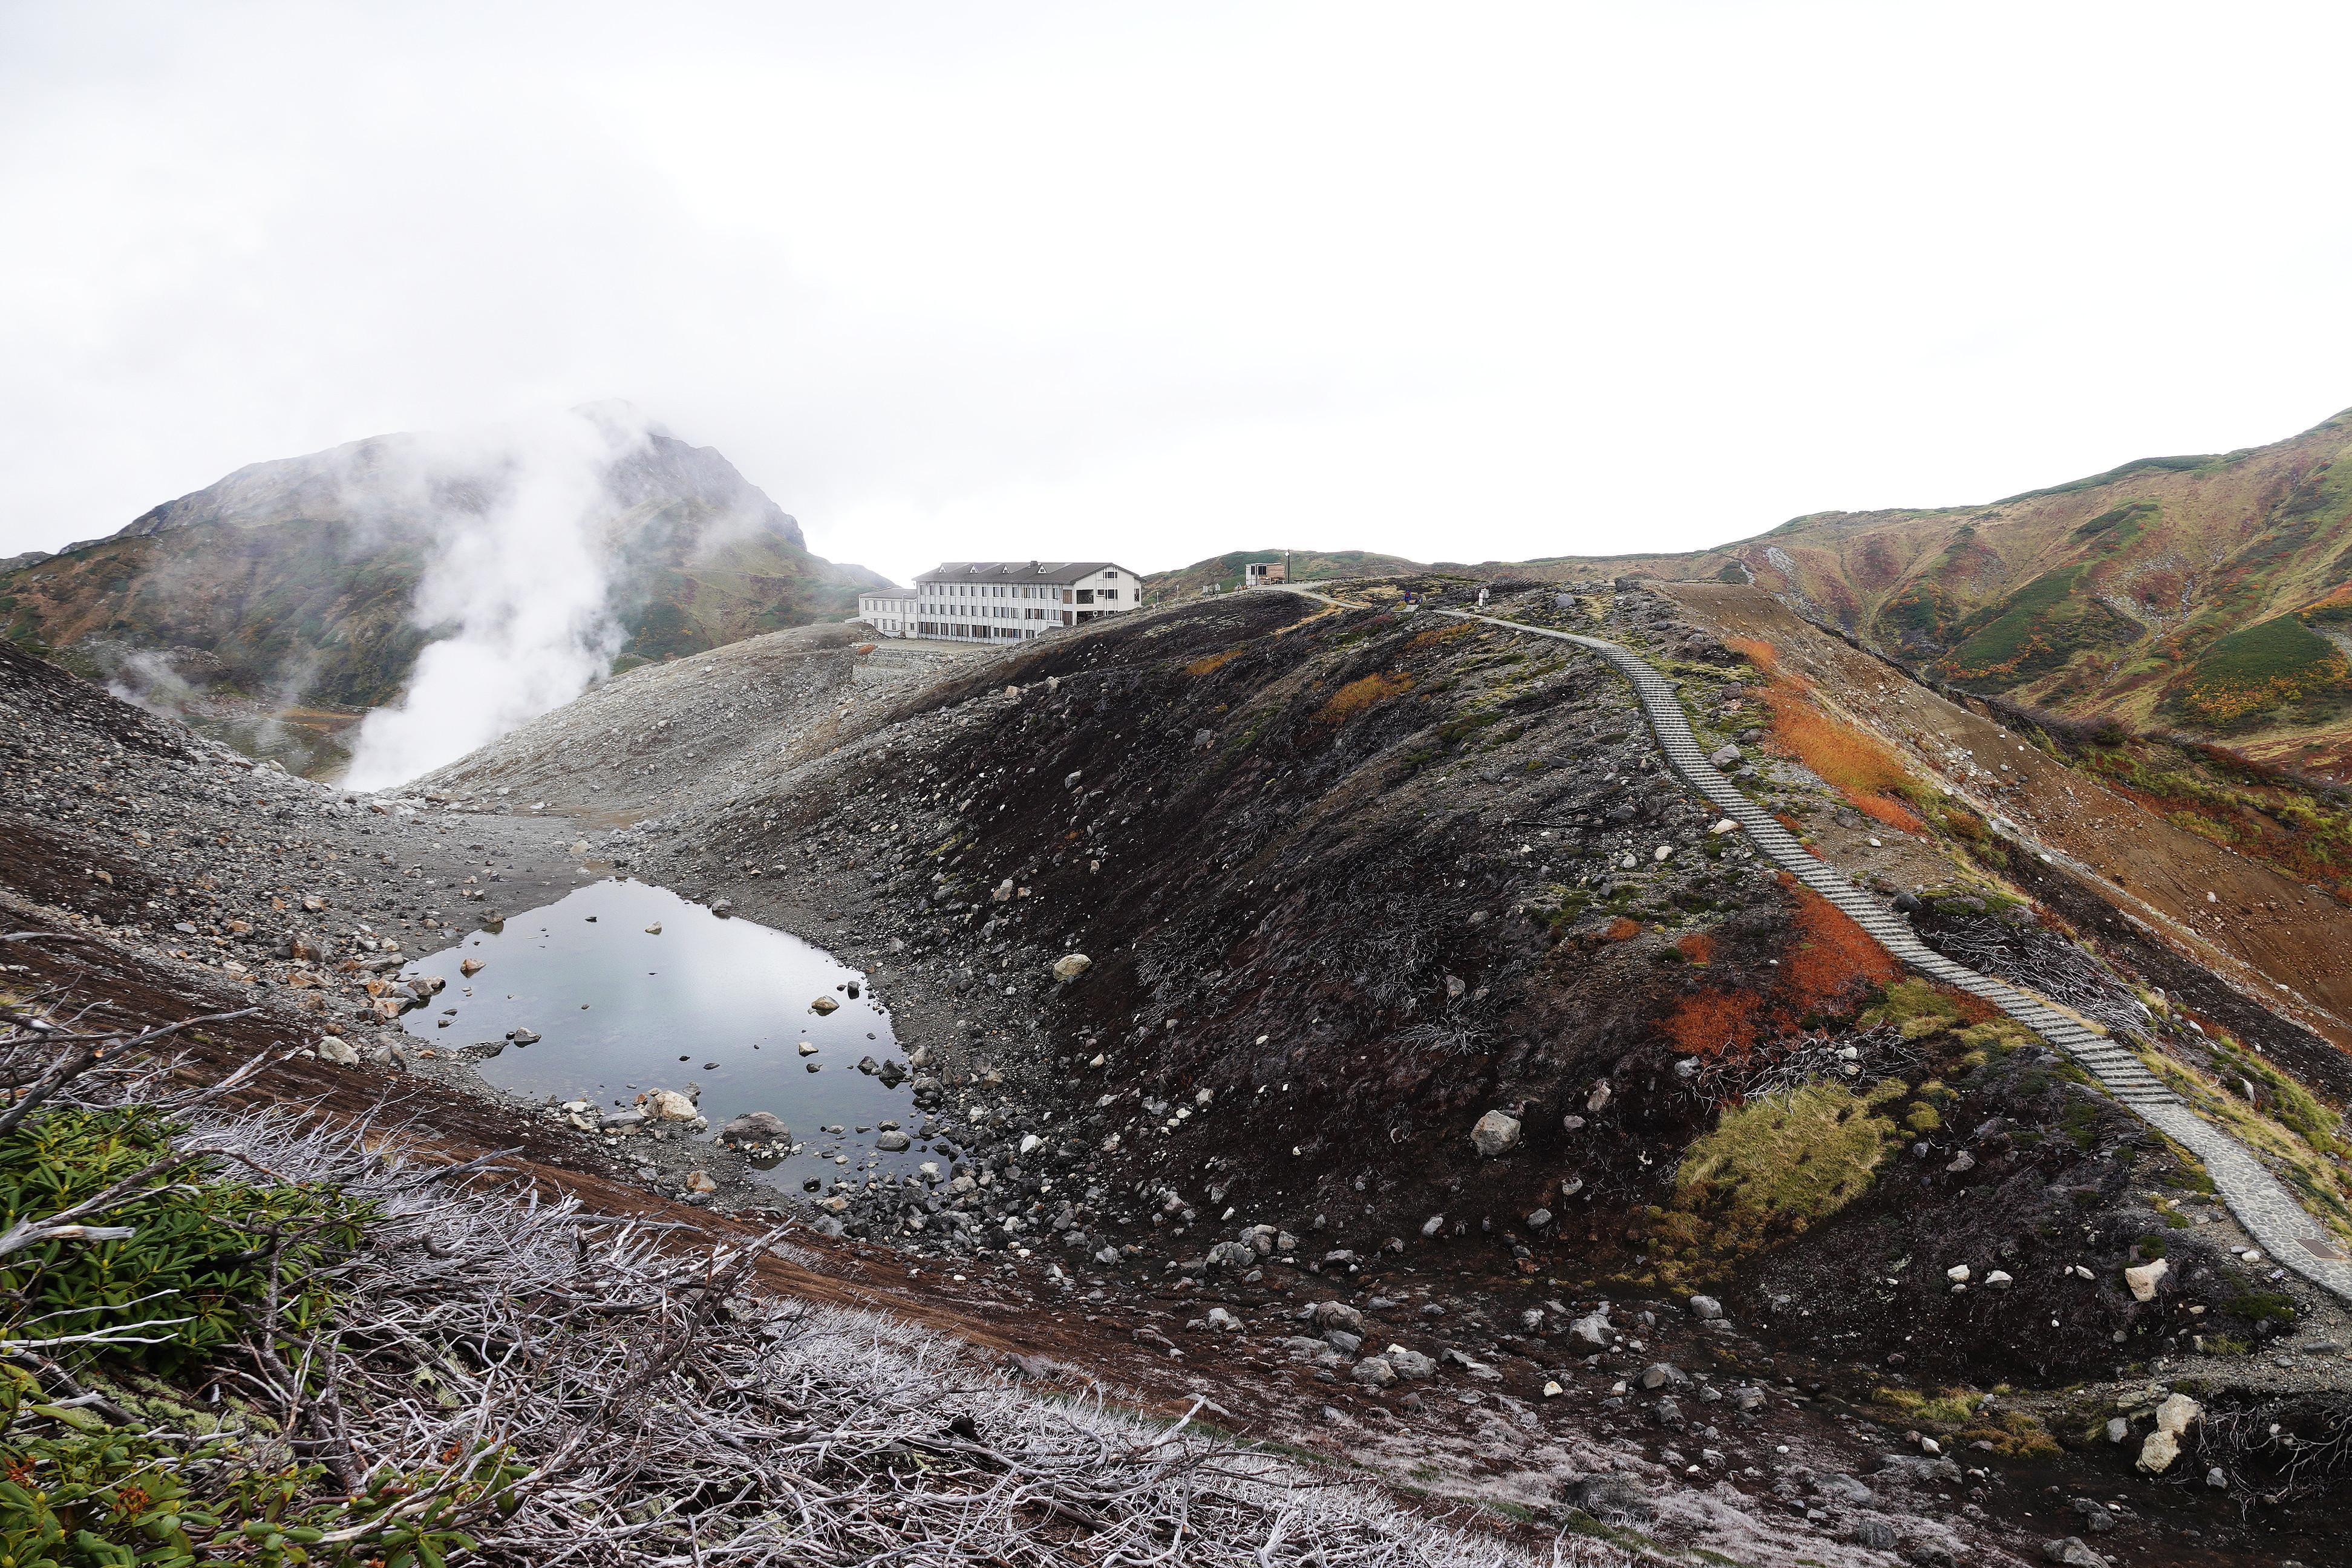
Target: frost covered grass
(468, 1371)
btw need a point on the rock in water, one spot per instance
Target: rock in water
(470, 967)
(1496, 1134)
(824, 1004)
(893, 1142)
(756, 1127)
(654, 929)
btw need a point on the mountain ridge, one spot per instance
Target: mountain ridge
(285, 592)
(2207, 594)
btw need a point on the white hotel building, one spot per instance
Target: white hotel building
(1001, 600)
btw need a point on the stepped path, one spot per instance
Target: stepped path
(2285, 1231)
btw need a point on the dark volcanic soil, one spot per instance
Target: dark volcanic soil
(1347, 883)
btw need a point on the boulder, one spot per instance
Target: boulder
(2072, 1554)
(469, 967)
(1374, 1373)
(1591, 1331)
(1338, 1315)
(756, 1127)
(1071, 965)
(1496, 1134)
(1409, 1364)
(1608, 1496)
(338, 1051)
(2096, 1520)
(824, 1004)
(1658, 1375)
(1706, 1307)
(667, 1105)
(1234, 1254)
(2163, 1445)
(2143, 1278)
(893, 1142)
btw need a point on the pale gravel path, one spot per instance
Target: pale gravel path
(2280, 1224)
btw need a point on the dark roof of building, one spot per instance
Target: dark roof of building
(1016, 570)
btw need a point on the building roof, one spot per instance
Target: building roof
(1058, 571)
(887, 593)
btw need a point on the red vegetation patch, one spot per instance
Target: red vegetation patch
(1715, 1023)
(1756, 651)
(1621, 930)
(1834, 963)
(1698, 947)
(1832, 966)
(1856, 765)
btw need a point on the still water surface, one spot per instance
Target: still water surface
(723, 1004)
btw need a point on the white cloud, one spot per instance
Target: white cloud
(1471, 282)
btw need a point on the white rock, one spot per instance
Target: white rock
(1030, 1142)
(1957, 1274)
(1071, 966)
(1496, 1134)
(2143, 1278)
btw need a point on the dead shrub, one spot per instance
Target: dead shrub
(1358, 695)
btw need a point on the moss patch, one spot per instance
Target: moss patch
(1769, 1170)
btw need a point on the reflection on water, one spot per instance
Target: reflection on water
(721, 1004)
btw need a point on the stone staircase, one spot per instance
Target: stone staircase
(2285, 1232)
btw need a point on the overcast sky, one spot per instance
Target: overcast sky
(1461, 281)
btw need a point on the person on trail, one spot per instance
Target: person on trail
(1482, 598)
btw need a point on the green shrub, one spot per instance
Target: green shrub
(200, 1245)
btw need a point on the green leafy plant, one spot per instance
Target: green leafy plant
(198, 1246)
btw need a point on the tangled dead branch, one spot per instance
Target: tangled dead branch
(549, 1387)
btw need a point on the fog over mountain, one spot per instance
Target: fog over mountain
(449, 584)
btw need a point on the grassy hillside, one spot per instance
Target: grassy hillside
(2206, 594)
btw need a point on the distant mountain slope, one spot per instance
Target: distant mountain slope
(2206, 594)
(2210, 594)
(293, 583)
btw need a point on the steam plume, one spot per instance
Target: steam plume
(521, 570)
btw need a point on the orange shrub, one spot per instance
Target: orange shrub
(1442, 634)
(1756, 651)
(1854, 764)
(1358, 695)
(1620, 930)
(1831, 961)
(1698, 947)
(1214, 661)
(1831, 964)
(1715, 1023)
